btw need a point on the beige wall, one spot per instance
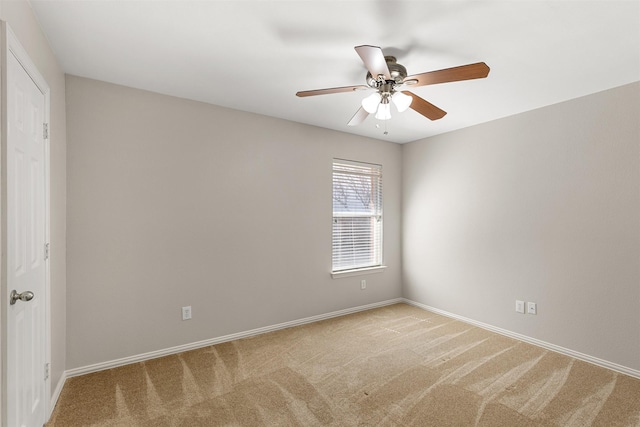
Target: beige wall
(174, 203)
(19, 16)
(543, 206)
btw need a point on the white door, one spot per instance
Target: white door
(26, 264)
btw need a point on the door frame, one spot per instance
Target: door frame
(10, 45)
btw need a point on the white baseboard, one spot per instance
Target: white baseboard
(567, 352)
(56, 394)
(212, 341)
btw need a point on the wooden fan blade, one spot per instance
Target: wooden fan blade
(425, 108)
(478, 70)
(331, 90)
(373, 59)
(358, 117)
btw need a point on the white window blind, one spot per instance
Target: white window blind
(357, 215)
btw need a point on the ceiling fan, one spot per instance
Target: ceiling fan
(390, 81)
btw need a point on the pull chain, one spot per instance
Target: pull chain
(386, 132)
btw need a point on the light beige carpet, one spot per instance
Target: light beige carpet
(392, 366)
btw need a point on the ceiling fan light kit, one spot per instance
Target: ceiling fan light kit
(384, 110)
(402, 101)
(371, 102)
(389, 80)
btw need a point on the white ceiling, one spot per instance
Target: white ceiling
(255, 55)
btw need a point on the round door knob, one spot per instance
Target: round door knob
(24, 296)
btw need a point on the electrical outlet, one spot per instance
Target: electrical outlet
(520, 306)
(532, 308)
(186, 312)
(363, 284)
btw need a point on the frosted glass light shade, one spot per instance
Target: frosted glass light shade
(371, 102)
(384, 112)
(402, 101)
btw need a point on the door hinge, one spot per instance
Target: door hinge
(45, 130)
(46, 370)
(46, 251)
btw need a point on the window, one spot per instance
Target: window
(357, 215)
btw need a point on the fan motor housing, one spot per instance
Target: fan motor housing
(397, 71)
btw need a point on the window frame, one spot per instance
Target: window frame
(375, 172)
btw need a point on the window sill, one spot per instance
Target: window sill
(358, 272)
